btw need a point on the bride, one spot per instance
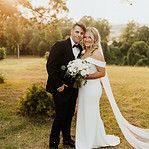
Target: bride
(90, 131)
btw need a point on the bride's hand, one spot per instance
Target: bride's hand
(87, 76)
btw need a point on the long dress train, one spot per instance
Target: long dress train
(90, 132)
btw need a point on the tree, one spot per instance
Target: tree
(129, 33)
(50, 37)
(14, 33)
(143, 34)
(87, 21)
(139, 50)
(65, 24)
(46, 14)
(115, 55)
(103, 27)
(15, 28)
(101, 24)
(7, 10)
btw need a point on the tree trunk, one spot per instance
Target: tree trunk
(18, 51)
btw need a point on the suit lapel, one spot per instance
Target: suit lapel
(81, 49)
(69, 49)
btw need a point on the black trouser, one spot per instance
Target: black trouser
(65, 107)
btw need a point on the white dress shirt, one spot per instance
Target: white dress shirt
(75, 50)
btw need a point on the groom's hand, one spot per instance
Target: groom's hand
(61, 88)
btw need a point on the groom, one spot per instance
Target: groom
(64, 94)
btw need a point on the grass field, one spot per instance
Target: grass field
(130, 87)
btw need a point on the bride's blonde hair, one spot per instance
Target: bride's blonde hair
(96, 35)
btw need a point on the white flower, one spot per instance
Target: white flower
(83, 73)
(78, 69)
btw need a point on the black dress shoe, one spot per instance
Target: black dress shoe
(53, 145)
(70, 143)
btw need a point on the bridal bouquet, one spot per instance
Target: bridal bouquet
(78, 70)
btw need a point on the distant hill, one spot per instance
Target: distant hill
(116, 30)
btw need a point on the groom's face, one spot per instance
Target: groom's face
(77, 34)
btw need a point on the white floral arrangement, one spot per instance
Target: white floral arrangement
(78, 69)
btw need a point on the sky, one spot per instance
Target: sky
(115, 11)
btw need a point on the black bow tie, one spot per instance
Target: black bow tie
(76, 45)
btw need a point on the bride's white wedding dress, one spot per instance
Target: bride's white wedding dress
(90, 131)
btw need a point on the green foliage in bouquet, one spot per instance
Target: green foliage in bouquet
(79, 81)
(36, 102)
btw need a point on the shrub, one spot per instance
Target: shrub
(2, 78)
(137, 51)
(36, 102)
(142, 62)
(2, 53)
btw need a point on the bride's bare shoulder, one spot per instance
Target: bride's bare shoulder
(97, 54)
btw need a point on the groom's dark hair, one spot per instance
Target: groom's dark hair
(80, 25)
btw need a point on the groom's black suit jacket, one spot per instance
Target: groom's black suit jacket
(60, 55)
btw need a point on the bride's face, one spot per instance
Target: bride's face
(88, 39)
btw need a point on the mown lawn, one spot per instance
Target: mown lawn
(130, 87)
